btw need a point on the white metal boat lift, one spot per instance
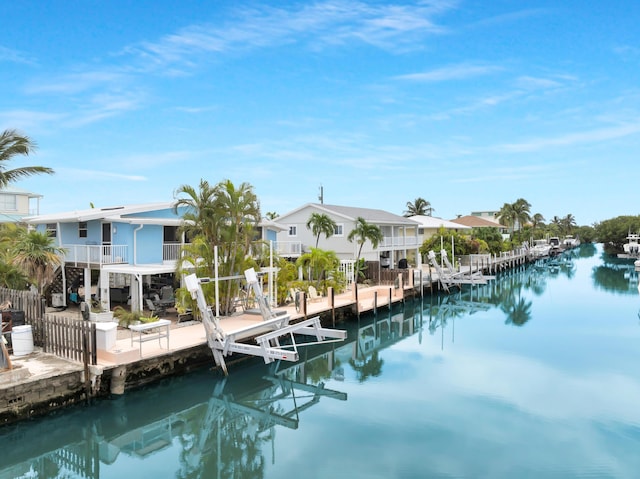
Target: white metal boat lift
(267, 333)
(448, 276)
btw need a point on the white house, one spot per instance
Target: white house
(429, 226)
(16, 203)
(400, 239)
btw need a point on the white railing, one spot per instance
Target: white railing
(399, 241)
(286, 248)
(95, 254)
(170, 251)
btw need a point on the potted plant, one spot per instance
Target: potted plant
(97, 314)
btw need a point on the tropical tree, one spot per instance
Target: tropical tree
(555, 225)
(517, 213)
(222, 216)
(199, 217)
(319, 264)
(320, 223)
(568, 223)
(271, 215)
(13, 144)
(537, 221)
(419, 206)
(361, 233)
(36, 254)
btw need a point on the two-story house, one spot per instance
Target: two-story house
(399, 241)
(115, 252)
(17, 203)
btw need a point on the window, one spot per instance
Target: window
(8, 202)
(293, 230)
(338, 230)
(82, 229)
(51, 230)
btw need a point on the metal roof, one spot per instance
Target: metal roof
(375, 216)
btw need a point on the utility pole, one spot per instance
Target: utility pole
(321, 195)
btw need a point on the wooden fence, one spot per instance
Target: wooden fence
(65, 337)
(33, 305)
(69, 338)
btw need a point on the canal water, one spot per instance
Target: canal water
(534, 375)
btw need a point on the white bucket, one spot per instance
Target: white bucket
(22, 340)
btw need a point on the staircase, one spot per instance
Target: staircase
(73, 275)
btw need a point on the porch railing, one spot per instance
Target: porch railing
(95, 254)
(399, 241)
(287, 248)
(170, 251)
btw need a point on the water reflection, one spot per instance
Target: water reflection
(616, 275)
(221, 431)
(419, 400)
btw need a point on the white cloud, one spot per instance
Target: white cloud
(325, 23)
(451, 72)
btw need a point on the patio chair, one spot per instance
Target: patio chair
(313, 294)
(156, 308)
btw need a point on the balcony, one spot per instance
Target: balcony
(288, 248)
(83, 254)
(170, 251)
(398, 241)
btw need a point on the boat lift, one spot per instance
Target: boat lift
(267, 333)
(448, 276)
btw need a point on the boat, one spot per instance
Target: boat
(631, 247)
(541, 248)
(570, 241)
(556, 246)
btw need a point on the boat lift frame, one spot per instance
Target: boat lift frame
(448, 276)
(276, 323)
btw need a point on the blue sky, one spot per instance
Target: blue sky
(468, 104)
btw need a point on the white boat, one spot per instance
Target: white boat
(541, 248)
(570, 241)
(631, 247)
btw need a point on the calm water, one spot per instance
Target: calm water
(535, 375)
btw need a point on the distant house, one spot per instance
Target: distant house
(117, 253)
(490, 215)
(480, 222)
(400, 239)
(16, 203)
(429, 226)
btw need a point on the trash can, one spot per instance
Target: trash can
(22, 340)
(17, 317)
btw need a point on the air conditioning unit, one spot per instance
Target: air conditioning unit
(57, 300)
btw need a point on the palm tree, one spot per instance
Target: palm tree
(238, 214)
(36, 254)
(517, 213)
(362, 232)
(271, 215)
(420, 206)
(319, 263)
(507, 216)
(320, 223)
(222, 216)
(12, 144)
(537, 221)
(199, 217)
(568, 223)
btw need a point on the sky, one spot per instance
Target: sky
(468, 104)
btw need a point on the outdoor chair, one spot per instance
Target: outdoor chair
(313, 294)
(156, 308)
